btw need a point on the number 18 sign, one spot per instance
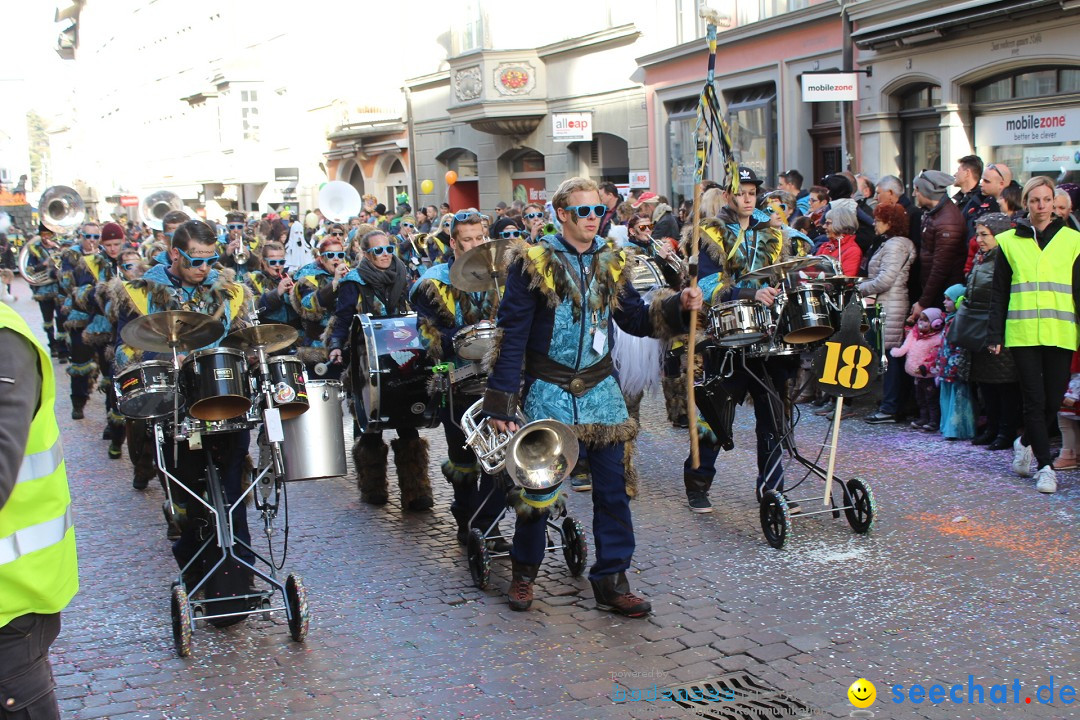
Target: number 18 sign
(846, 364)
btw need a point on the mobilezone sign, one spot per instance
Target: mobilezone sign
(1028, 127)
(830, 87)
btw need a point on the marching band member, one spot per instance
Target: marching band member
(272, 286)
(407, 247)
(313, 297)
(560, 296)
(379, 287)
(741, 241)
(90, 281)
(83, 371)
(438, 241)
(442, 310)
(533, 215)
(189, 283)
(236, 246)
(47, 296)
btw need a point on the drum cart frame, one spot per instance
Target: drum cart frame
(774, 509)
(187, 611)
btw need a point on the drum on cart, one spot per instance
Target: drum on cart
(738, 322)
(390, 373)
(147, 390)
(215, 384)
(473, 342)
(288, 385)
(314, 445)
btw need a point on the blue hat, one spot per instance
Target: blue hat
(955, 292)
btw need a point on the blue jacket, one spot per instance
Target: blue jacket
(442, 309)
(559, 302)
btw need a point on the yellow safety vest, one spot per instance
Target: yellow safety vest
(1041, 308)
(39, 570)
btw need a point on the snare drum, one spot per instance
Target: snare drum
(147, 390)
(474, 341)
(737, 323)
(390, 373)
(288, 385)
(215, 383)
(314, 445)
(806, 317)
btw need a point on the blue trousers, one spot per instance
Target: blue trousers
(613, 529)
(768, 427)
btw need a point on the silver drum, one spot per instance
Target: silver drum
(314, 445)
(738, 322)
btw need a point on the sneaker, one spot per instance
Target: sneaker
(1046, 480)
(140, 483)
(699, 502)
(880, 418)
(581, 483)
(115, 451)
(930, 427)
(1022, 459)
(499, 545)
(917, 424)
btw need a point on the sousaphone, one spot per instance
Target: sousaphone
(62, 210)
(339, 201)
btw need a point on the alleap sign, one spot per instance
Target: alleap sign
(830, 87)
(571, 127)
(1051, 126)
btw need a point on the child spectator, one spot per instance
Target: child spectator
(953, 366)
(920, 351)
(1069, 420)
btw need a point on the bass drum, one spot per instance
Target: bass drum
(390, 373)
(314, 446)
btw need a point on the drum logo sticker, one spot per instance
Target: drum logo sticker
(401, 358)
(223, 374)
(130, 382)
(284, 393)
(298, 378)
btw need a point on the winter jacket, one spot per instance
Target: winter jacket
(846, 250)
(919, 352)
(953, 362)
(887, 279)
(985, 367)
(943, 252)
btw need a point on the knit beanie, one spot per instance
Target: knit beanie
(996, 223)
(955, 293)
(933, 183)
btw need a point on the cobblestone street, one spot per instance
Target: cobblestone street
(968, 572)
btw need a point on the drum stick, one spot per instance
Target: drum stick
(692, 268)
(837, 413)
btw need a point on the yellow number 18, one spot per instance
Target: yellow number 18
(852, 374)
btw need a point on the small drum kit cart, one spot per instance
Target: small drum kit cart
(213, 392)
(823, 316)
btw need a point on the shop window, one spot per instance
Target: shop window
(1031, 83)
(920, 132)
(922, 98)
(530, 162)
(464, 164)
(752, 119)
(527, 177)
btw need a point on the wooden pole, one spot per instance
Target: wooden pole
(692, 267)
(837, 413)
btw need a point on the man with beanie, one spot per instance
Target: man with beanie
(943, 249)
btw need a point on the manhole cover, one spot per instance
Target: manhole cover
(736, 696)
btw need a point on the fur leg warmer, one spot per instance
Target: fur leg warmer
(370, 463)
(411, 461)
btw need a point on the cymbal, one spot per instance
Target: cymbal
(474, 271)
(773, 272)
(272, 336)
(845, 280)
(180, 329)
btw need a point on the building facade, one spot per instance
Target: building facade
(1000, 79)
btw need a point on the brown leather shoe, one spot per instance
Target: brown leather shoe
(613, 595)
(520, 593)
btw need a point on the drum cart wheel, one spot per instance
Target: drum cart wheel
(181, 621)
(775, 518)
(479, 559)
(575, 547)
(860, 506)
(297, 606)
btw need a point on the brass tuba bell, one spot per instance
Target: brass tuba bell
(62, 209)
(155, 206)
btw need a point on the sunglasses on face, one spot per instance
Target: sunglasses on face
(128, 266)
(337, 233)
(584, 211)
(447, 224)
(533, 216)
(335, 255)
(408, 225)
(276, 263)
(510, 234)
(381, 250)
(643, 226)
(199, 262)
(90, 236)
(234, 226)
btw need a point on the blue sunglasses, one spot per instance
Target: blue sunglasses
(533, 216)
(276, 263)
(584, 211)
(381, 250)
(199, 262)
(335, 255)
(510, 234)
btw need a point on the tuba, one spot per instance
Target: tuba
(339, 201)
(537, 457)
(62, 210)
(155, 206)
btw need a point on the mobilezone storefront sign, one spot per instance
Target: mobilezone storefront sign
(1028, 127)
(830, 87)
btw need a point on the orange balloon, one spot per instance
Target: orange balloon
(451, 177)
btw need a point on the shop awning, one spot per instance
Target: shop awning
(935, 24)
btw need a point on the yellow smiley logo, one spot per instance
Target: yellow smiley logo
(862, 693)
